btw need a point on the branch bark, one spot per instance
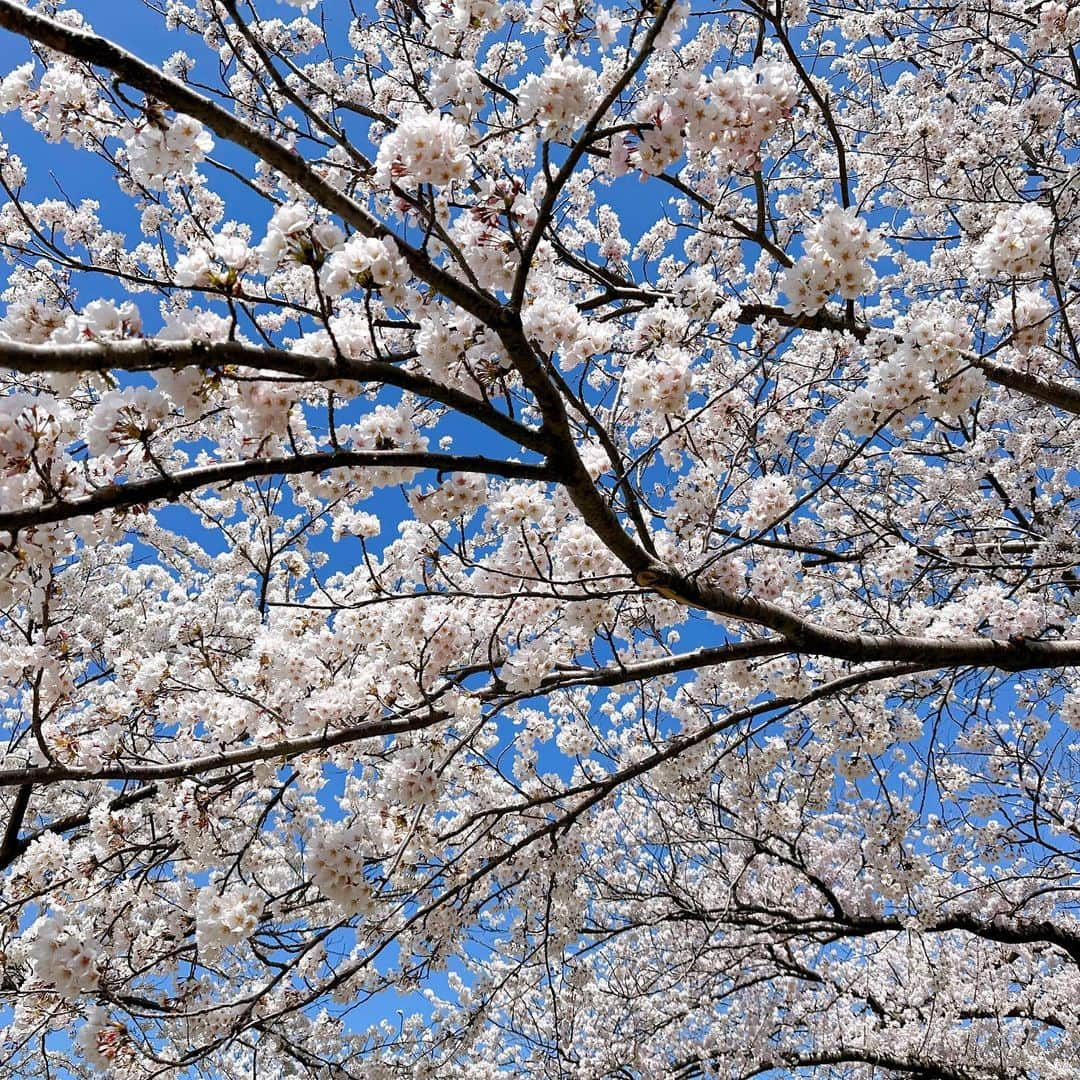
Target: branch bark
(172, 487)
(150, 355)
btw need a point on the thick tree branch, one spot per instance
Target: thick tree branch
(804, 636)
(1059, 395)
(172, 487)
(283, 749)
(150, 355)
(929, 1068)
(11, 846)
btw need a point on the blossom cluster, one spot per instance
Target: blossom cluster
(459, 495)
(63, 104)
(336, 858)
(836, 258)
(517, 504)
(30, 423)
(462, 16)
(424, 148)
(457, 85)
(525, 668)
(659, 383)
(15, 86)
(411, 779)
(386, 428)
(220, 265)
(126, 419)
(769, 498)
(99, 1039)
(560, 98)
(1017, 244)
(727, 118)
(293, 234)
(159, 149)
(989, 605)
(262, 412)
(558, 327)
(1025, 312)
(365, 261)
(924, 372)
(743, 109)
(34, 433)
(64, 956)
(226, 918)
(1058, 25)
(100, 320)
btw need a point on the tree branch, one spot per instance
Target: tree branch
(171, 488)
(1018, 654)
(150, 355)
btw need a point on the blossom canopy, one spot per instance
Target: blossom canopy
(539, 539)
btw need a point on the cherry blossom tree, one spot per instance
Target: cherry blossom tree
(541, 540)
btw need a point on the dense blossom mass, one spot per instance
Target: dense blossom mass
(539, 539)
